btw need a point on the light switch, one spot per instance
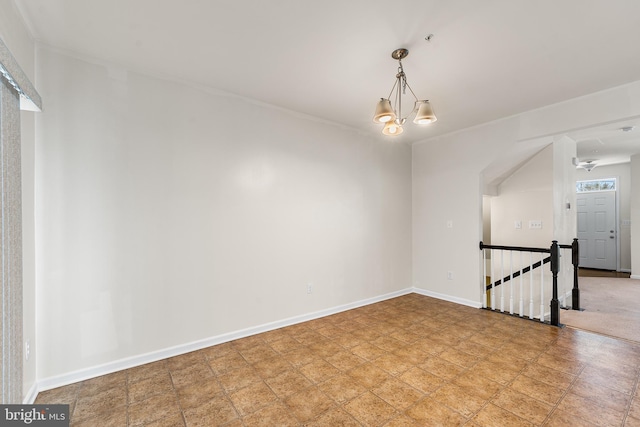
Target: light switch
(449, 224)
(518, 224)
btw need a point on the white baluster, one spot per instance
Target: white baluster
(501, 281)
(511, 283)
(521, 312)
(530, 285)
(542, 287)
(484, 278)
(493, 281)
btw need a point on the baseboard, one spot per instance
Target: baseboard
(635, 276)
(450, 298)
(31, 394)
(130, 362)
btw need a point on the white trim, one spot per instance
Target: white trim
(635, 276)
(31, 394)
(450, 298)
(130, 362)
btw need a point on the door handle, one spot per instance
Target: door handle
(611, 237)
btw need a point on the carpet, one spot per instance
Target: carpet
(611, 307)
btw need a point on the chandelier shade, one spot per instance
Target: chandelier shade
(425, 114)
(384, 112)
(389, 110)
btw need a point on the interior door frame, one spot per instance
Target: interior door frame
(617, 229)
(616, 215)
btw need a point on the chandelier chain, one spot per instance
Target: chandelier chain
(402, 76)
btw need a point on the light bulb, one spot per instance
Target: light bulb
(392, 128)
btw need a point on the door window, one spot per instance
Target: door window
(606, 184)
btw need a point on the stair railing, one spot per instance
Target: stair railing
(523, 269)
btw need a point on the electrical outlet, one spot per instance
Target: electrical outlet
(449, 224)
(27, 350)
(449, 275)
(309, 288)
(535, 224)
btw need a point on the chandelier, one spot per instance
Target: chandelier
(389, 110)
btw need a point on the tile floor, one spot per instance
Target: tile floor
(408, 361)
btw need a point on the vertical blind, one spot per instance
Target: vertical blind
(15, 91)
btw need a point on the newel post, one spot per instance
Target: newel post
(555, 268)
(575, 259)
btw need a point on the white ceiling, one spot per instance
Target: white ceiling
(331, 59)
(608, 144)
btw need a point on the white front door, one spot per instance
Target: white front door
(597, 233)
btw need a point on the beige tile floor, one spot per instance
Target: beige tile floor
(408, 361)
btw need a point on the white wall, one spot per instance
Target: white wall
(526, 195)
(15, 35)
(565, 222)
(623, 173)
(446, 187)
(169, 215)
(634, 215)
(447, 184)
